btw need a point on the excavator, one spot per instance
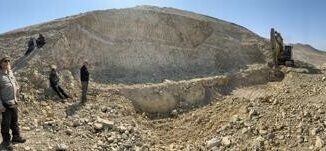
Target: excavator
(282, 54)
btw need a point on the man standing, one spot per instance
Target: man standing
(40, 41)
(84, 78)
(54, 83)
(31, 46)
(8, 105)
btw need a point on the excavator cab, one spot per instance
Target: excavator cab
(285, 57)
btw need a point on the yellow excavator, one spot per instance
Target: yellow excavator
(282, 54)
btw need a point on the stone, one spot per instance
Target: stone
(314, 131)
(213, 143)
(323, 79)
(122, 129)
(127, 144)
(174, 112)
(88, 107)
(215, 148)
(270, 136)
(61, 147)
(69, 132)
(106, 123)
(280, 137)
(300, 139)
(320, 111)
(26, 128)
(137, 148)
(235, 118)
(247, 124)
(27, 148)
(263, 132)
(124, 136)
(84, 120)
(252, 113)
(306, 114)
(258, 143)
(110, 139)
(244, 130)
(319, 142)
(275, 102)
(35, 123)
(98, 127)
(226, 141)
(104, 109)
(76, 123)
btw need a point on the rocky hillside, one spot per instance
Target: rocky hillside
(309, 54)
(141, 44)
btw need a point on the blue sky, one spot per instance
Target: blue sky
(299, 21)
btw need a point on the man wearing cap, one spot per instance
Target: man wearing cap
(8, 105)
(54, 83)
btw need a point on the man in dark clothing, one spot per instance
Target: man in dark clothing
(31, 46)
(40, 41)
(54, 83)
(8, 105)
(84, 78)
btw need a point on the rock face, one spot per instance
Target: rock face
(141, 44)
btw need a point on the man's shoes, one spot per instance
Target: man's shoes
(18, 139)
(7, 145)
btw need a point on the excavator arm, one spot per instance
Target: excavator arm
(282, 55)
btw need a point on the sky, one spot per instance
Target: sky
(299, 21)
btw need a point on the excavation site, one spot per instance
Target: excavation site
(166, 79)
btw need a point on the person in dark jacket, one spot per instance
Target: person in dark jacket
(31, 46)
(54, 83)
(40, 41)
(84, 78)
(8, 105)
